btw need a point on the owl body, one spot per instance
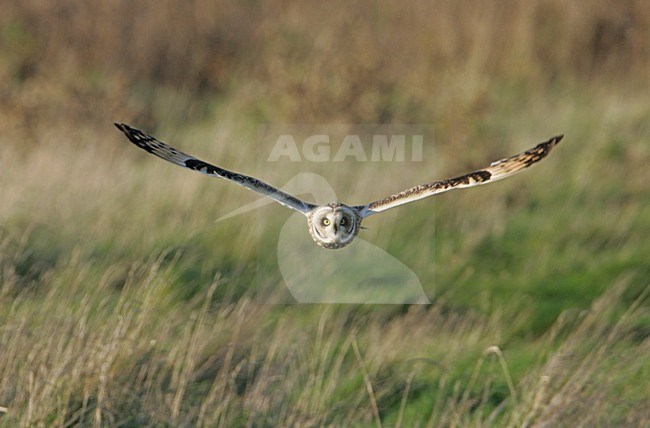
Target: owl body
(334, 225)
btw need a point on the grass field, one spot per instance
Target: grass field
(123, 303)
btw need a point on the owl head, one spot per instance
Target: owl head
(333, 225)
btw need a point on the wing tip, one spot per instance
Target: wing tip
(547, 146)
(126, 130)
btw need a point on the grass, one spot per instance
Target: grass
(122, 303)
(152, 321)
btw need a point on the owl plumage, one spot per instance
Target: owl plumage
(335, 225)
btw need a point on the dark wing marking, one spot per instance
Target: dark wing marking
(496, 171)
(164, 151)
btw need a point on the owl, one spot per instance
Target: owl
(335, 225)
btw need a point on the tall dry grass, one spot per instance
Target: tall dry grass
(370, 62)
(122, 351)
(98, 328)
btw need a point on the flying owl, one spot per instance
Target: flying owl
(335, 225)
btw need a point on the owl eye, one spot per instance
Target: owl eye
(326, 222)
(343, 222)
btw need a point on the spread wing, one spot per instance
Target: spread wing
(164, 151)
(496, 171)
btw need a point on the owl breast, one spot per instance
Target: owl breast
(333, 226)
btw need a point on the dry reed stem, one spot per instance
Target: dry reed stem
(366, 381)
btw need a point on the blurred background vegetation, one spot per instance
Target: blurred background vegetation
(122, 303)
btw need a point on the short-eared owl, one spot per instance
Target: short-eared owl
(335, 225)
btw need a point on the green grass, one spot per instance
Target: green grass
(126, 305)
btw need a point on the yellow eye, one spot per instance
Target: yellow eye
(326, 222)
(343, 221)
